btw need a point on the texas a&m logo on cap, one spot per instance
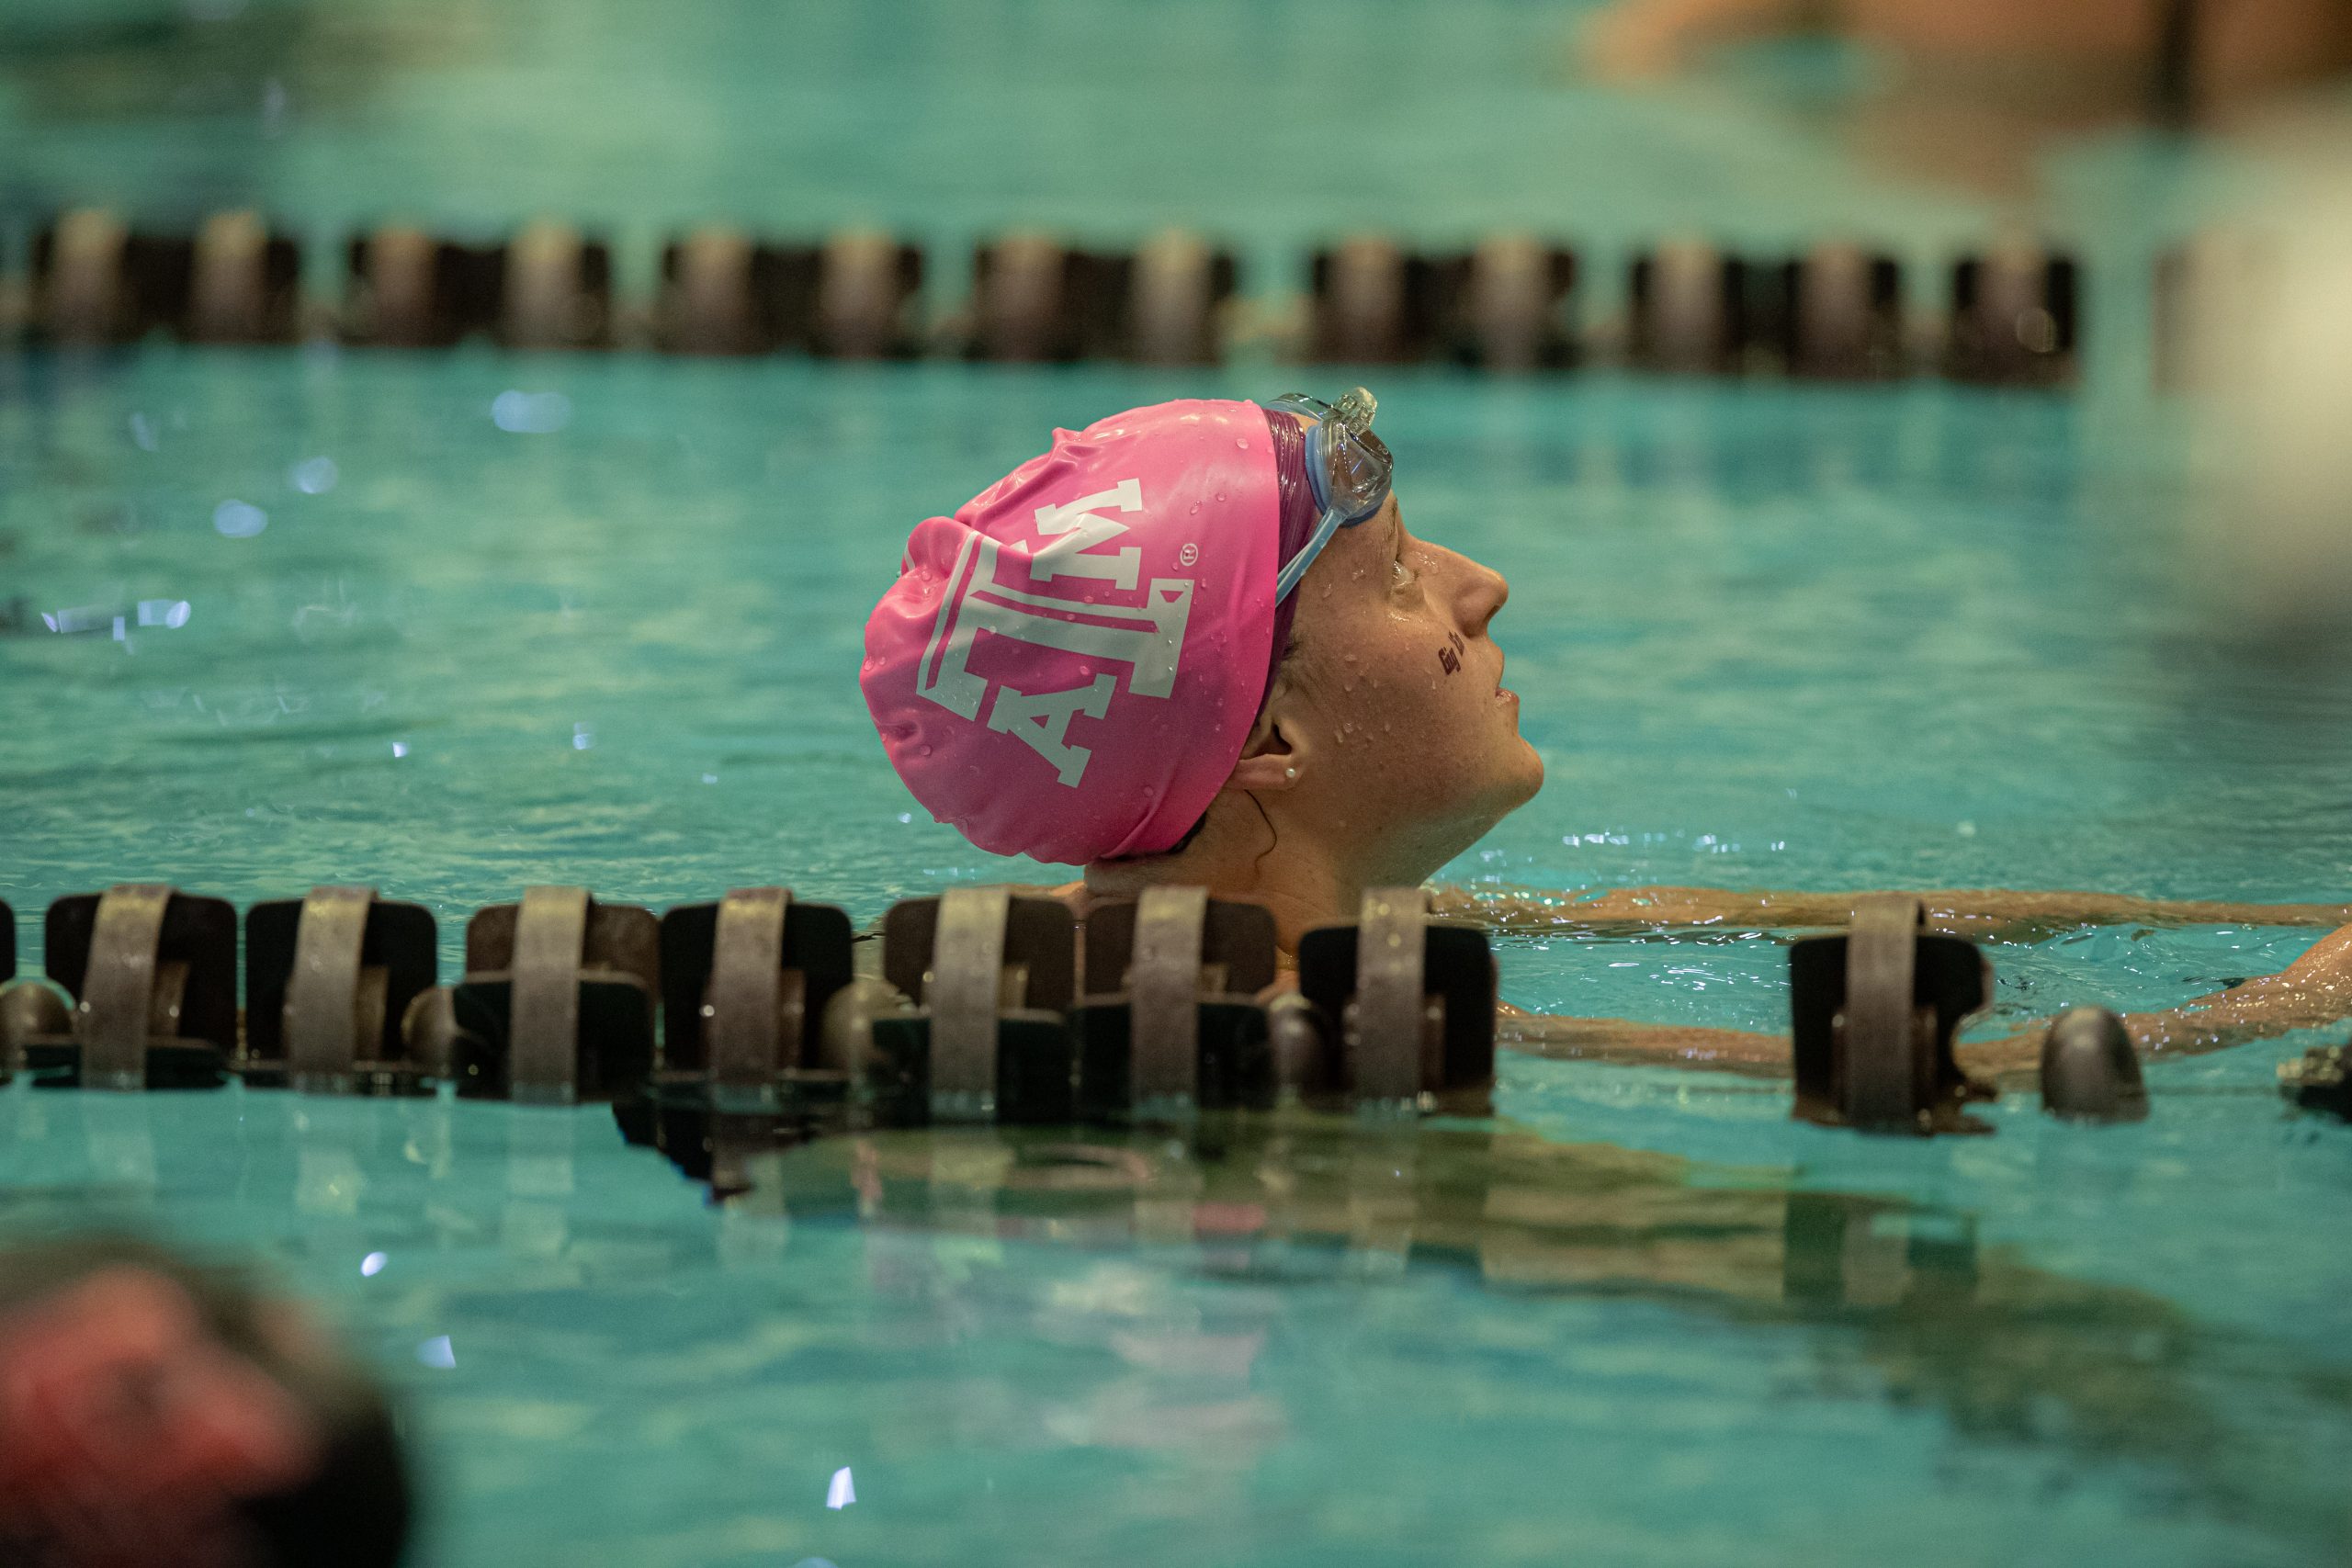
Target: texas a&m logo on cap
(1147, 638)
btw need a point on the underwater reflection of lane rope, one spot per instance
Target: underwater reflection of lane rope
(2008, 1353)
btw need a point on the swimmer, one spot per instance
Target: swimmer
(155, 1415)
(2176, 55)
(1979, 92)
(1196, 644)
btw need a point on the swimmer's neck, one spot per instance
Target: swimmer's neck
(1302, 892)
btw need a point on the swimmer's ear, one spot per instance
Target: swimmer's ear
(1269, 764)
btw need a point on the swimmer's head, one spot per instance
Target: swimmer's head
(153, 1413)
(1097, 652)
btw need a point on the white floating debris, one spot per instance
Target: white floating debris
(530, 414)
(238, 519)
(314, 475)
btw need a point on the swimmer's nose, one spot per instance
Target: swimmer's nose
(1483, 593)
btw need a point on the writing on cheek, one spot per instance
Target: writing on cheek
(1450, 657)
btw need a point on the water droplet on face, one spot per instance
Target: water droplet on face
(1242, 441)
(922, 750)
(1220, 496)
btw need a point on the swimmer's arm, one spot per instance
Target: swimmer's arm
(2316, 989)
(1982, 914)
(1630, 1043)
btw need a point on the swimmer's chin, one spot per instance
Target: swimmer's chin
(1528, 779)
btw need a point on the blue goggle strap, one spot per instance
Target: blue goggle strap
(1327, 524)
(1328, 519)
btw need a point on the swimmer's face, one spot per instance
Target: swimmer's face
(1393, 698)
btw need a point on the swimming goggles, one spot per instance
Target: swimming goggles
(1346, 467)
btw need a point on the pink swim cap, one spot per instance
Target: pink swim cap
(1068, 667)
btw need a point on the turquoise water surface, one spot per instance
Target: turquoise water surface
(454, 624)
(1815, 640)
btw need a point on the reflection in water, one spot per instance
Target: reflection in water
(1314, 1196)
(1440, 1341)
(1909, 1307)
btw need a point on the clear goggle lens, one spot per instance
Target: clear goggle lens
(1348, 465)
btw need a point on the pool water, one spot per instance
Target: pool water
(943, 118)
(1448, 1346)
(458, 624)
(454, 624)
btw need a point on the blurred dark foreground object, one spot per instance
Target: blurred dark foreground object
(155, 1414)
